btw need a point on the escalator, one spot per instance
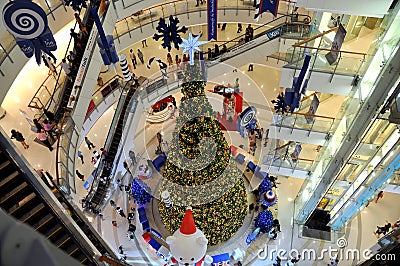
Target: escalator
(102, 187)
(20, 199)
(96, 240)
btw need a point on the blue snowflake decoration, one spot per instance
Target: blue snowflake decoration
(76, 4)
(169, 33)
(265, 221)
(265, 186)
(140, 191)
(190, 45)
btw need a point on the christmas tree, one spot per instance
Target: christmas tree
(200, 171)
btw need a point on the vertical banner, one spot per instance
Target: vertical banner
(336, 45)
(264, 6)
(313, 109)
(297, 149)
(212, 22)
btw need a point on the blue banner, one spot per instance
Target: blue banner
(212, 10)
(303, 73)
(266, 5)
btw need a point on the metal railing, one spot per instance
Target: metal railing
(67, 146)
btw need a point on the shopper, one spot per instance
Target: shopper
(48, 128)
(223, 27)
(78, 20)
(197, 2)
(65, 66)
(114, 223)
(89, 143)
(38, 126)
(121, 250)
(379, 196)
(144, 42)
(71, 57)
(216, 50)
(334, 262)
(133, 58)
(140, 55)
(49, 115)
(112, 203)
(80, 155)
(18, 137)
(42, 136)
(80, 176)
(239, 29)
(177, 61)
(169, 59)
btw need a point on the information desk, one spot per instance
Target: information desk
(159, 117)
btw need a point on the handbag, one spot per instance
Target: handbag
(34, 129)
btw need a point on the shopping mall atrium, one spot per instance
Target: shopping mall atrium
(194, 132)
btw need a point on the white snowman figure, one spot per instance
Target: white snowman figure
(188, 245)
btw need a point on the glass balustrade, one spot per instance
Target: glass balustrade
(350, 109)
(304, 121)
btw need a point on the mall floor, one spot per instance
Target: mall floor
(359, 233)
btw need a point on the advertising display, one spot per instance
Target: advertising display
(336, 45)
(313, 109)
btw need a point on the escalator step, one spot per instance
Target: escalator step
(47, 222)
(24, 206)
(16, 195)
(55, 230)
(35, 214)
(10, 181)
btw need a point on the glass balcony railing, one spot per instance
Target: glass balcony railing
(349, 110)
(347, 63)
(288, 162)
(304, 121)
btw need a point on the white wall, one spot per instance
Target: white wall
(369, 8)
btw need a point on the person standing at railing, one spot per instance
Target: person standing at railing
(140, 55)
(247, 35)
(239, 29)
(133, 58)
(49, 115)
(209, 54)
(71, 57)
(65, 66)
(177, 61)
(216, 50)
(224, 49)
(169, 59)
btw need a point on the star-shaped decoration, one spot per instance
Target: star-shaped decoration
(190, 44)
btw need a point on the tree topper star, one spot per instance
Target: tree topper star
(190, 44)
